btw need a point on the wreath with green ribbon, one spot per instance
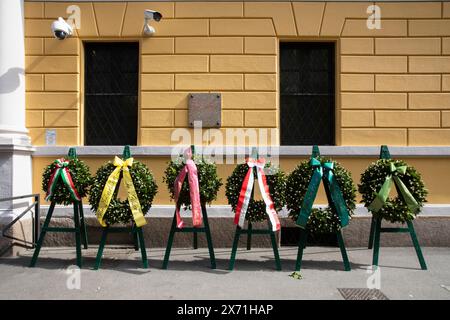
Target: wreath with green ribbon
(321, 220)
(377, 182)
(66, 180)
(119, 211)
(209, 182)
(256, 211)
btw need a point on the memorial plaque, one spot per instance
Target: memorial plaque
(205, 107)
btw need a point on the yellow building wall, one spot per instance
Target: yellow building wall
(393, 84)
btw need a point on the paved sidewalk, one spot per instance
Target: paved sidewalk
(254, 277)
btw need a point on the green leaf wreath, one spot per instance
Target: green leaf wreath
(395, 209)
(208, 180)
(321, 220)
(81, 178)
(256, 211)
(119, 210)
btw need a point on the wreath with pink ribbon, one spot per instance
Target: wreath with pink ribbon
(192, 182)
(239, 191)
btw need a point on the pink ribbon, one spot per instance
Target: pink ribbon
(190, 169)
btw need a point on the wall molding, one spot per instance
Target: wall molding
(284, 151)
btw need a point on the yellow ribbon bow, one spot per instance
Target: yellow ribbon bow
(110, 187)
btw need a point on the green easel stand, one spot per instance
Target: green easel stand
(250, 231)
(376, 229)
(79, 228)
(136, 232)
(205, 229)
(304, 233)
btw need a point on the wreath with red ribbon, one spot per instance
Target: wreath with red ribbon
(66, 180)
(275, 180)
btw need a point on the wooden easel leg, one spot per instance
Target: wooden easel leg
(301, 246)
(376, 244)
(98, 260)
(372, 227)
(234, 249)
(343, 251)
(275, 250)
(135, 237)
(209, 239)
(195, 240)
(140, 235)
(412, 232)
(249, 236)
(83, 226)
(170, 242)
(42, 235)
(76, 218)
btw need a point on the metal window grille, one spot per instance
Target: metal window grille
(111, 93)
(307, 93)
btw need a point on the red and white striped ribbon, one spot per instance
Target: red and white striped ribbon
(246, 193)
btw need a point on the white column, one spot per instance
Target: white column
(15, 146)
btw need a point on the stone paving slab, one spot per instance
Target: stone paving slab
(254, 277)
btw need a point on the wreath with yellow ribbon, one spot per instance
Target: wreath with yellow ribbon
(378, 182)
(321, 220)
(140, 188)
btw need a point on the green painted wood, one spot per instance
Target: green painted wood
(170, 241)
(101, 247)
(315, 152)
(249, 236)
(275, 248)
(140, 235)
(384, 152)
(237, 234)
(126, 152)
(343, 251)
(83, 226)
(412, 232)
(301, 246)
(376, 242)
(195, 240)
(76, 218)
(209, 238)
(72, 153)
(135, 238)
(372, 229)
(394, 230)
(42, 235)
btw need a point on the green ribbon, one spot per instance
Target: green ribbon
(382, 196)
(323, 172)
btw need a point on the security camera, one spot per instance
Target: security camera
(61, 29)
(150, 15)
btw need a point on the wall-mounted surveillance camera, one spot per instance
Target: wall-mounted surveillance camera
(150, 15)
(61, 29)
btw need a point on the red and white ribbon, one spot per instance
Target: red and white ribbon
(61, 171)
(246, 194)
(190, 169)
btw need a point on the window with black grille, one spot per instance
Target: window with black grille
(307, 108)
(111, 93)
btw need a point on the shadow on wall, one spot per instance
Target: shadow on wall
(10, 80)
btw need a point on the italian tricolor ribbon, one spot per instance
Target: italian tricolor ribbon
(190, 170)
(110, 187)
(246, 194)
(62, 171)
(383, 194)
(323, 172)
